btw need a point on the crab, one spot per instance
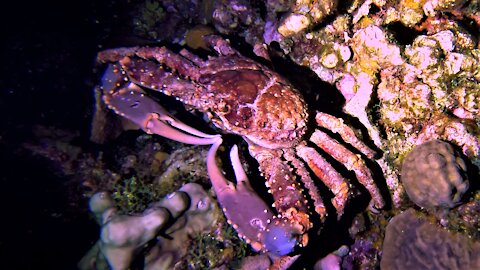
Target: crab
(243, 97)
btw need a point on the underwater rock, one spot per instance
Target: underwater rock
(201, 216)
(301, 14)
(123, 237)
(102, 205)
(332, 261)
(238, 17)
(412, 242)
(363, 254)
(267, 261)
(257, 262)
(434, 175)
(184, 165)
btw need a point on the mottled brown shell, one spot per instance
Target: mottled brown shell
(256, 103)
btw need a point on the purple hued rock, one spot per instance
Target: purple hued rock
(412, 242)
(434, 175)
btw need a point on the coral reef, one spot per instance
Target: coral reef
(425, 99)
(167, 20)
(434, 175)
(199, 220)
(300, 14)
(368, 231)
(363, 255)
(403, 95)
(123, 237)
(412, 242)
(464, 219)
(238, 17)
(186, 164)
(150, 14)
(183, 22)
(410, 13)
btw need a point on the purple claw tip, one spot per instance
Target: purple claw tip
(280, 239)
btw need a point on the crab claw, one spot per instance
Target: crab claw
(129, 101)
(247, 212)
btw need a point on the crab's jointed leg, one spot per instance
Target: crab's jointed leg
(307, 181)
(337, 125)
(352, 162)
(162, 55)
(328, 175)
(342, 154)
(282, 183)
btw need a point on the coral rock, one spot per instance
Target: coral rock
(123, 237)
(434, 175)
(413, 243)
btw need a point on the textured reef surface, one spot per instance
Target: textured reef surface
(358, 122)
(412, 242)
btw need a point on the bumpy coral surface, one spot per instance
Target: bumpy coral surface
(413, 243)
(434, 175)
(181, 214)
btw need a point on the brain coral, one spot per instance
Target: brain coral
(413, 243)
(434, 175)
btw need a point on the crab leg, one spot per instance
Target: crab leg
(348, 135)
(192, 57)
(170, 59)
(307, 182)
(246, 211)
(162, 55)
(351, 161)
(220, 45)
(282, 184)
(329, 176)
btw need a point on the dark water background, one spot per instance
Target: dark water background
(47, 54)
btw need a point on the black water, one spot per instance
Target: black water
(47, 53)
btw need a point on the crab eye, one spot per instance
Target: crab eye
(135, 104)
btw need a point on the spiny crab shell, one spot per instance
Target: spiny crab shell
(246, 98)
